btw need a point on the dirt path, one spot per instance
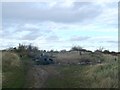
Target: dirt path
(38, 75)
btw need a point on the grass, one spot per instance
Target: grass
(14, 70)
(65, 58)
(72, 75)
(104, 75)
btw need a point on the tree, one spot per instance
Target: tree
(21, 47)
(51, 51)
(77, 48)
(106, 51)
(100, 49)
(29, 47)
(63, 50)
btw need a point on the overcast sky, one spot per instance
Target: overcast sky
(60, 25)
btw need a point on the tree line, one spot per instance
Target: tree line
(27, 49)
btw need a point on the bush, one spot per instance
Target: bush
(76, 48)
(106, 52)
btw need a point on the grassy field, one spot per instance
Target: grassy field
(14, 70)
(75, 76)
(67, 58)
(65, 73)
(104, 75)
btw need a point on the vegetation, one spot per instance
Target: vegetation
(86, 69)
(77, 48)
(13, 72)
(14, 68)
(91, 76)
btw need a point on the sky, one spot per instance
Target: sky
(60, 24)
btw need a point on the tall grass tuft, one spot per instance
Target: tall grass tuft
(12, 71)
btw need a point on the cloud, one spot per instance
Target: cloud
(109, 15)
(79, 38)
(25, 31)
(27, 12)
(103, 38)
(32, 35)
(12, 43)
(114, 42)
(52, 38)
(50, 24)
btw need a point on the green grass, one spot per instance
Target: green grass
(70, 77)
(104, 75)
(87, 76)
(14, 70)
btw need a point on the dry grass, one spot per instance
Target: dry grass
(66, 75)
(10, 59)
(12, 70)
(104, 75)
(67, 58)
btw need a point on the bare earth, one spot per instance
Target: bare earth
(38, 74)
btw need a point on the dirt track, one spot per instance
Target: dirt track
(38, 75)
